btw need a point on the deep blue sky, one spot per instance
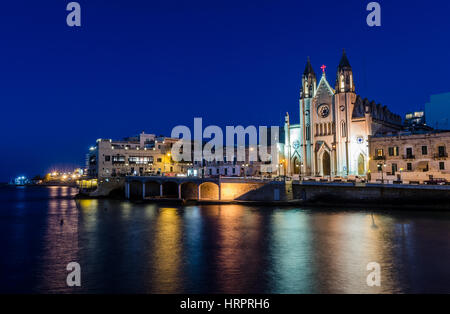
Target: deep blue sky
(150, 65)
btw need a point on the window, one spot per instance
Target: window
(441, 165)
(409, 166)
(441, 150)
(391, 151)
(217, 171)
(379, 152)
(379, 167)
(343, 129)
(210, 171)
(226, 171)
(159, 160)
(118, 159)
(394, 168)
(396, 151)
(424, 150)
(409, 152)
(234, 170)
(138, 160)
(107, 158)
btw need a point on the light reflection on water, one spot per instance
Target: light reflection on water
(146, 248)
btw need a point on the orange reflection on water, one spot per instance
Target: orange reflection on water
(167, 252)
(236, 232)
(345, 244)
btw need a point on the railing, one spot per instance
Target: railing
(440, 155)
(379, 157)
(409, 157)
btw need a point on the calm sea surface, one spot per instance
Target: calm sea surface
(148, 248)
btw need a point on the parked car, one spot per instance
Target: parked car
(436, 181)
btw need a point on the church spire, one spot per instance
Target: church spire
(308, 68)
(344, 77)
(344, 63)
(308, 81)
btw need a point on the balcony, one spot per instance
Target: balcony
(440, 156)
(408, 156)
(379, 157)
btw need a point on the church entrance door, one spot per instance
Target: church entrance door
(296, 165)
(361, 165)
(326, 164)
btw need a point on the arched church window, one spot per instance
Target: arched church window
(342, 82)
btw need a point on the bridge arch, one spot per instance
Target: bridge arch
(135, 189)
(152, 189)
(170, 189)
(209, 191)
(189, 191)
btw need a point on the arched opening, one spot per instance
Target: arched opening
(152, 189)
(296, 165)
(135, 190)
(343, 129)
(361, 165)
(170, 189)
(326, 164)
(209, 191)
(189, 191)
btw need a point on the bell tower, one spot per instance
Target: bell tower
(309, 81)
(344, 100)
(309, 86)
(344, 77)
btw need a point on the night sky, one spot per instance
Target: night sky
(150, 65)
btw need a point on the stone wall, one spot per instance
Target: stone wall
(373, 194)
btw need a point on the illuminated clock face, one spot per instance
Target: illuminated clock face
(360, 140)
(323, 111)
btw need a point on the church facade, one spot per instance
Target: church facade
(331, 138)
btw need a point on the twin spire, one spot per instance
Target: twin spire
(344, 81)
(344, 64)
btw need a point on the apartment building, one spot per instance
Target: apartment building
(410, 157)
(145, 154)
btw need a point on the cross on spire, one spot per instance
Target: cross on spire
(323, 67)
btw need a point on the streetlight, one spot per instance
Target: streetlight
(165, 161)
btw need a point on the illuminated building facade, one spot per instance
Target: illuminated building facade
(331, 138)
(145, 154)
(410, 157)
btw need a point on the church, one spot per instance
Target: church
(331, 138)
